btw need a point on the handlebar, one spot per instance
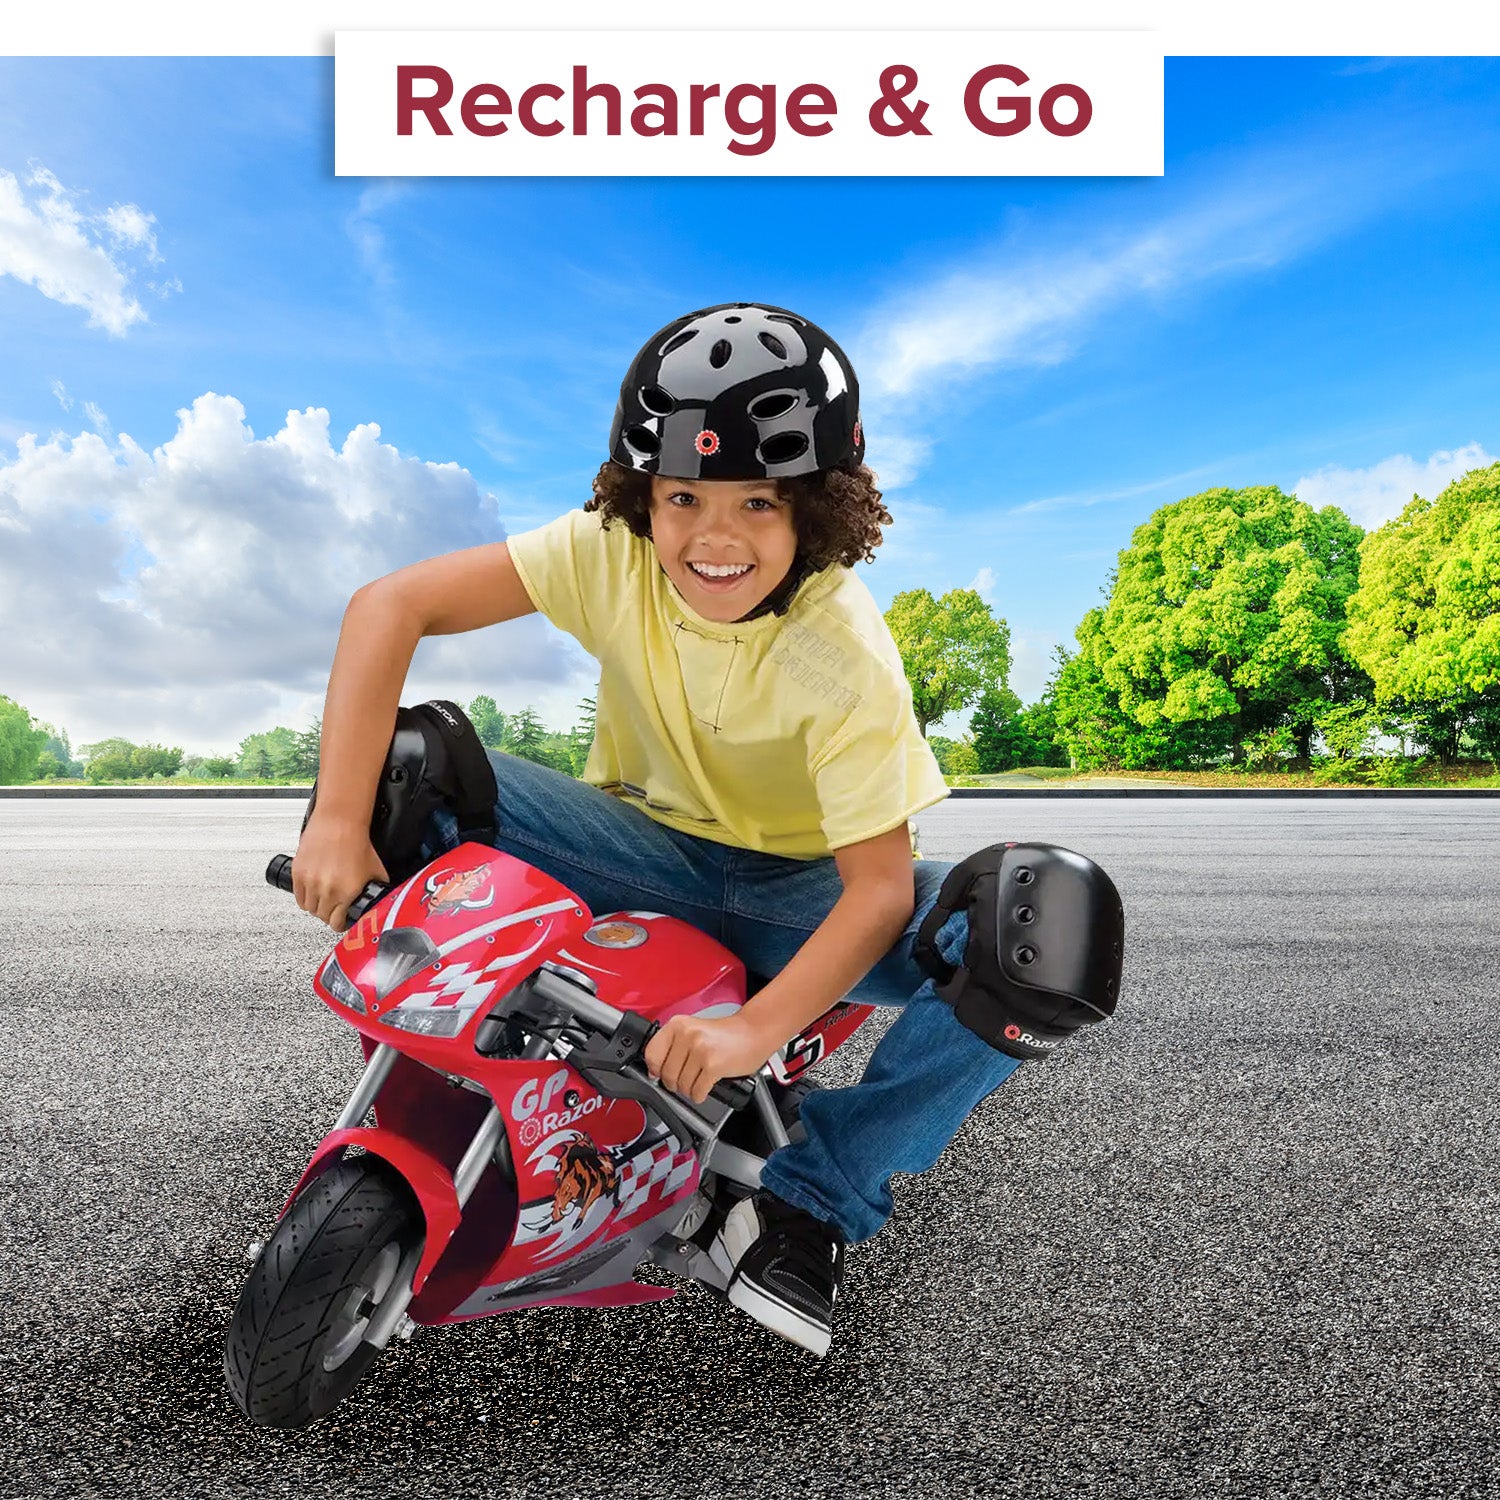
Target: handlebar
(735, 1092)
(603, 1017)
(279, 874)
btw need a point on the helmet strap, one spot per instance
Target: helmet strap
(779, 600)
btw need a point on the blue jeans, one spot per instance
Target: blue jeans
(926, 1075)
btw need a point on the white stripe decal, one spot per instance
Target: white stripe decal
(499, 926)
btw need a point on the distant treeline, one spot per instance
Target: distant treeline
(280, 754)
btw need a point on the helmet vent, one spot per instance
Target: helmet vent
(783, 447)
(656, 400)
(718, 356)
(734, 318)
(678, 340)
(643, 441)
(791, 318)
(772, 343)
(772, 405)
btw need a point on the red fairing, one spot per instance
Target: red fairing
(443, 947)
(658, 966)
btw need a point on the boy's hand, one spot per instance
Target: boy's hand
(334, 862)
(690, 1054)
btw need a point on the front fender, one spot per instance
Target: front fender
(430, 1181)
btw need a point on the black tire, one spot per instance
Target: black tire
(789, 1104)
(293, 1349)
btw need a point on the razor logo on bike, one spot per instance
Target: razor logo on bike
(446, 894)
(537, 1126)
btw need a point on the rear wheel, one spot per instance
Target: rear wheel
(295, 1346)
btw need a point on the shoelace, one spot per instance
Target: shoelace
(812, 1251)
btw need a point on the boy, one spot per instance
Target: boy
(754, 766)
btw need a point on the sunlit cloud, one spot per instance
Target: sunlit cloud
(80, 258)
(1377, 494)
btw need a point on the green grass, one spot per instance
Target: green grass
(170, 781)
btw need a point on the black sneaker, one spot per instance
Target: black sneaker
(787, 1266)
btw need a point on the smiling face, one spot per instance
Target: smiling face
(726, 544)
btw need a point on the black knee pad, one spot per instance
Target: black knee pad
(435, 760)
(1045, 951)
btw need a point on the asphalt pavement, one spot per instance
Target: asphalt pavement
(1241, 1240)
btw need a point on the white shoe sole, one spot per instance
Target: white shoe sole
(778, 1317)
(741, 1230)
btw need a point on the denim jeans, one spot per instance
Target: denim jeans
(927, 1073)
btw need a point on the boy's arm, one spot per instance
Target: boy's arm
(691, 1055)
(382, 626)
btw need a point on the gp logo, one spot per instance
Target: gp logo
(531, 1110)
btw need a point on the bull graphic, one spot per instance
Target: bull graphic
(584, 1175)
(447, 894)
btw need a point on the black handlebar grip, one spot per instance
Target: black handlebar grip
(279, 874)
(735, 1092)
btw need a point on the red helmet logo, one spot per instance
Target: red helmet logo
(707, 442)
(1013, 1032)
(859, 432)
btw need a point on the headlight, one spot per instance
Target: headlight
(340, 986)
(430, 1020)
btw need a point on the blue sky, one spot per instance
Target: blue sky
(1306, 298)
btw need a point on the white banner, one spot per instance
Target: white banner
(726, 103)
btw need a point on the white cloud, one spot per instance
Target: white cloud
(1033, 297)
(983, 584)
(48, 241)
(1375, 495)
(195, 592)
(129, 225)
(64, 400)
(369, 239)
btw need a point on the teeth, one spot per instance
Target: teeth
(720, 570)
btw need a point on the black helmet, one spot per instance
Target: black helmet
(738, 391)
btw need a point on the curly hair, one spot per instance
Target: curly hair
(837, 513)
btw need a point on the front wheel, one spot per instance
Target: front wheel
(295, 1346)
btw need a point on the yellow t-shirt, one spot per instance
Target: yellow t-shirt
(791, 734)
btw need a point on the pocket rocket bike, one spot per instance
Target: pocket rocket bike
(520, 1155)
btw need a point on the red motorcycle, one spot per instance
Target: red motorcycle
(520, 1154)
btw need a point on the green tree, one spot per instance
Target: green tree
(1039, 720)
(217, 767)
(1425, 621)
(307, 747)
(254, 758)
(21, 743)
(488, 722)
(110, 760)
(1226, 613)
(1097, 734)
(269, 754)
(156, 760)
(963, 760)
(62, 751)
(525, 736)
(952, 649)
(581, 736)
(943, 750)
(954, 757)
(1002, 740)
